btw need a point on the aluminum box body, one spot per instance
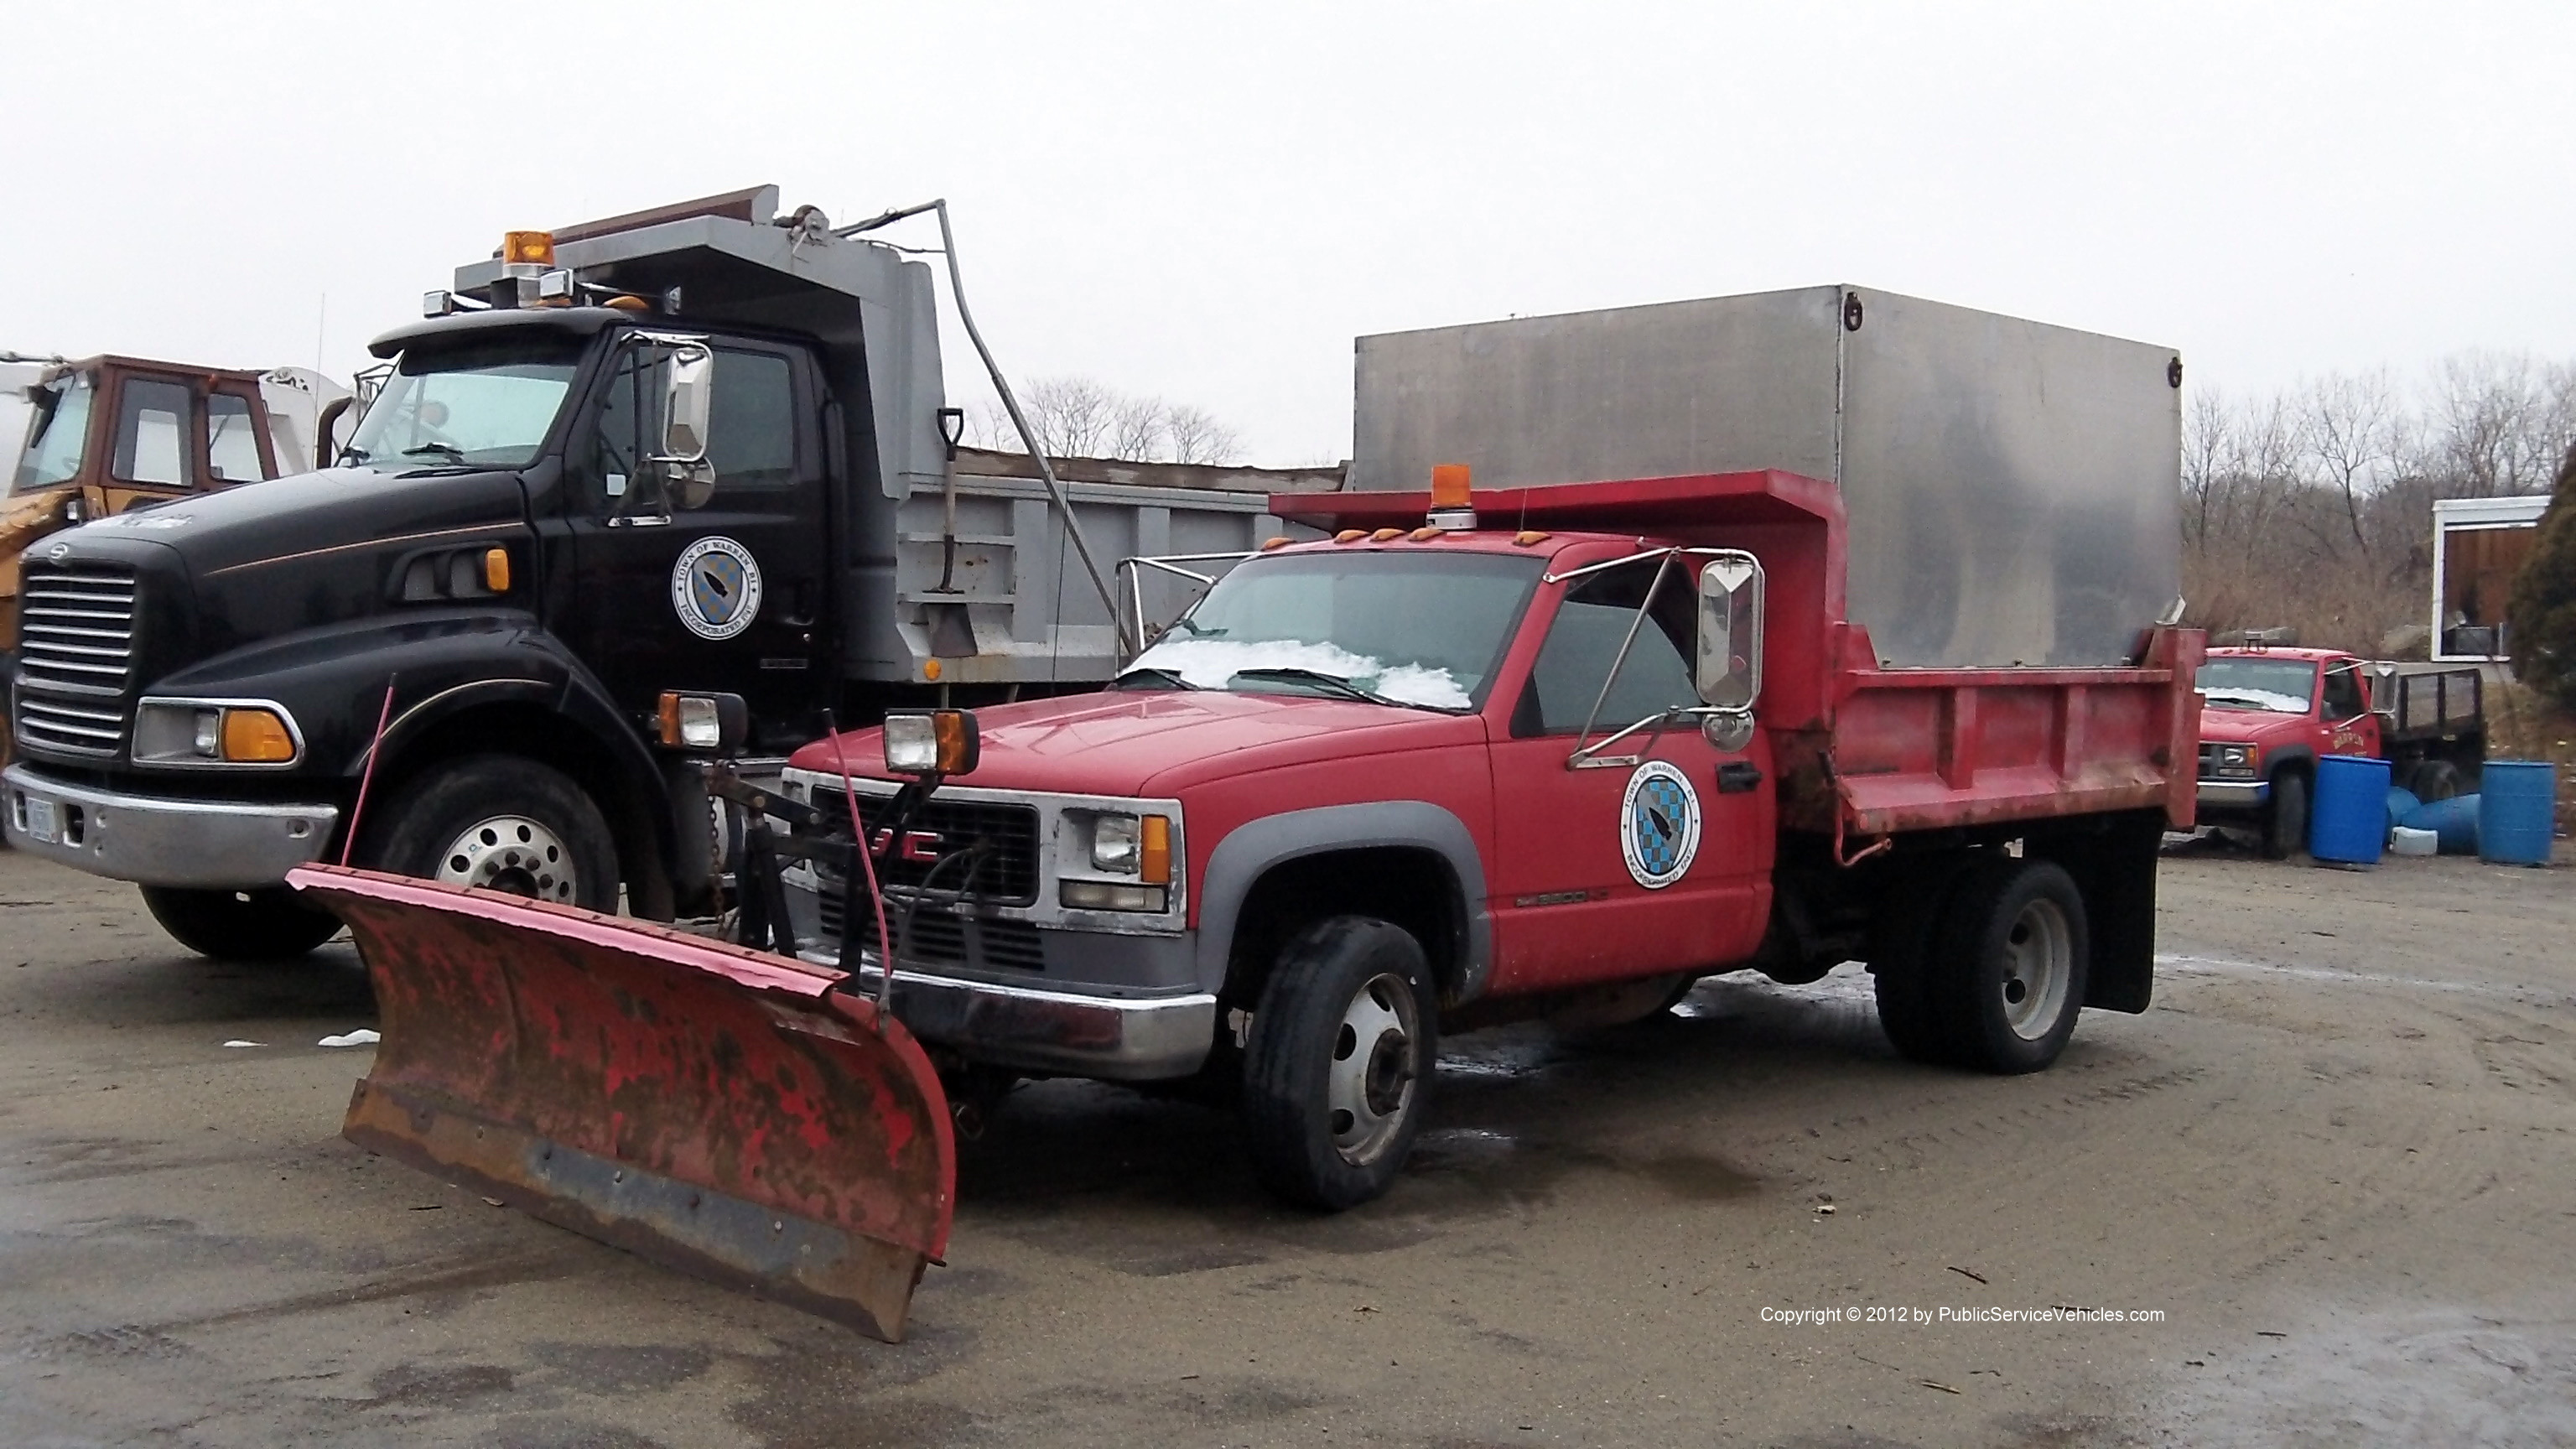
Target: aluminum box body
(2013, 488)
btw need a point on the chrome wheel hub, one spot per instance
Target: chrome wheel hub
(515, 855)
(1369, 1084)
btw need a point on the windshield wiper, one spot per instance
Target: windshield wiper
(1171, 677)
(1333, 682)
(453, 453)
(2255, 700)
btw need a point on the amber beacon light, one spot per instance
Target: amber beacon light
(1452, 505)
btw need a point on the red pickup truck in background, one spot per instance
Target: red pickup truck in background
(2267, 713)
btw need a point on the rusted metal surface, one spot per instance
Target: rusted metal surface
(715, 1109)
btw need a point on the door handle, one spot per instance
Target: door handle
(1737, 777)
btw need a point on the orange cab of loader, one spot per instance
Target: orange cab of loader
(105, 434)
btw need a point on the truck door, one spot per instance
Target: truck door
(1611, 871)
(727, 596)
(2344, 710)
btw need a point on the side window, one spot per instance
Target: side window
(151, 430)
(2343, 695)
(232, 443)
(751, 421)
(1582, 642)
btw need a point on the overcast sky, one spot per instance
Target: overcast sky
(1210, 201)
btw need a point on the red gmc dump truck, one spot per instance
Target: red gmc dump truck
(1454, 759)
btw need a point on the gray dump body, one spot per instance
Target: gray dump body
(2013, 488)
(1021, 610)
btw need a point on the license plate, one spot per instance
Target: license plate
(40, 819)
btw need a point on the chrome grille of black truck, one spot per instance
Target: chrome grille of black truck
(75, 661)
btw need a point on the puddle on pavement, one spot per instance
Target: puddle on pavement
(2444, 1376)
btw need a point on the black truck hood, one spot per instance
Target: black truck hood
(254, 563)
(313, 515)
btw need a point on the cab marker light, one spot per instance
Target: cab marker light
(1426, 533)
(1527, 537)
(1350, 535)
(1275, 541)
(1386, 535)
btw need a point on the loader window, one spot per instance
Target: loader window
(57, 434)
(1583, 642)
(151, 433)
(232, 446)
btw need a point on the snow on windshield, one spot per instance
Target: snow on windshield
(2273, 700)
(1209, 663)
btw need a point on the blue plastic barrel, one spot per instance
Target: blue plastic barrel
(2348, 820)
(2455, 820)
(2517, 803)
(2401, 803)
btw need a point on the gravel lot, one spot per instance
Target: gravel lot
(2335, 1162)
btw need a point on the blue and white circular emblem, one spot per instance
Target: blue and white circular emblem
(1659, 824)
(715, 588)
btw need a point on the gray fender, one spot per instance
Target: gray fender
(1253, 848)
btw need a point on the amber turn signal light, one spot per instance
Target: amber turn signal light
(1154, 859)
(256, 737)
(496, 570)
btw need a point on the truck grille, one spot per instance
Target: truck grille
(75, 661)
(940, 938)
(1009, 833)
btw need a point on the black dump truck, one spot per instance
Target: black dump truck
(635, 492)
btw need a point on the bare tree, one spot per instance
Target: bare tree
(1136, 427)
(2352, 428)
(1197, 437)
(1081, 417)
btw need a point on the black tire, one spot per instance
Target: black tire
(1901, 963)
(2009, 966)
(502, 823)
(2433, 780)
(2285, 826)
(268, 924)
(1305, 1147)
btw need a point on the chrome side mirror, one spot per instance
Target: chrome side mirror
(1729, 671)
(688, 395)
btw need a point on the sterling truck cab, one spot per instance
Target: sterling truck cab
(2268, 713)
(631, 492)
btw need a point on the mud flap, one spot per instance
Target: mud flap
(715, 1109)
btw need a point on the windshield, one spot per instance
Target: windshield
(487, 406)
(2282, 686)
(56, 435)
(1402, 628)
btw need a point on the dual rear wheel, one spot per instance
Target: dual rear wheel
(1984, 967)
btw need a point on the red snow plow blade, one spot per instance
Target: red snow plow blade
(712, 1108)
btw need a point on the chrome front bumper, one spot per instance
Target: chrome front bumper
(1133, 1039)
(2234, 794)
(211, 844)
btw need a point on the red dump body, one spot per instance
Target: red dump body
(1863, 750)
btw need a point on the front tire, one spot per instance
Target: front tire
(2285, 829)
(269, 924)
(2010, 966)
(1341, 1053)
(499, 822)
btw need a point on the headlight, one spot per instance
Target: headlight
(2236, 761)
(934, 742)
(1116, 844)
(191, 732)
